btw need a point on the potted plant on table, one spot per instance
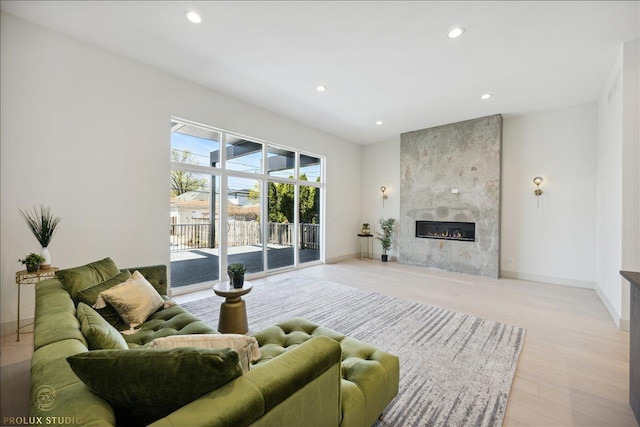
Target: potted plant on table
(43, 226)
(385, 237)
(236, 274)
(365, 229)
(32, 261)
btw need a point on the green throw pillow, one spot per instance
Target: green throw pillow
(78, 278)
(90, 294)
(98, 332)
(144, 385)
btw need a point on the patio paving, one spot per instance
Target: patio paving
(201, 265)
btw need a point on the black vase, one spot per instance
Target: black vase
(385, 257)
(238, 281)
(32, 268)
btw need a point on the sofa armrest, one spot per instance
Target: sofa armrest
(281, 377)
(312, 368)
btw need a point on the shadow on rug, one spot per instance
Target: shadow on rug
(455, 369)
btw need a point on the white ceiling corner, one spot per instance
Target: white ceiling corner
(381, 60)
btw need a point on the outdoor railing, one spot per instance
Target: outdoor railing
(189, 236)
(243, 233)
(280, 233)
(309, 236)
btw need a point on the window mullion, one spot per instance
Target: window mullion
(264, 209)
(296, 213)
(224, 221)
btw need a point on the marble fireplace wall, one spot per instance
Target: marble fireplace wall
(452, 173)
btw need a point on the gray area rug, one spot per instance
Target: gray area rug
(455, 369)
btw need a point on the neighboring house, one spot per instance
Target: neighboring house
(240, 197)
(191, 207)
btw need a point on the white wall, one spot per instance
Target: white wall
(554, 242)
(86, 132)
(618, 239)
(587, 227)
(630, 209)
(609, 227)
(381, 167)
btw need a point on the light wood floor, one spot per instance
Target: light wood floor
(573, 369)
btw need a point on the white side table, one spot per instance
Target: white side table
(23, 277)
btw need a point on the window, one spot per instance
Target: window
(243, 155)
(219, 199)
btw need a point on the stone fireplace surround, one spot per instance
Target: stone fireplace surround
(452, 173)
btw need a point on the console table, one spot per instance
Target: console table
(368, 242)
(634, 342)
(24, 277)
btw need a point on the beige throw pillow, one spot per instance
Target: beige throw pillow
(134, 300)
(247, 347)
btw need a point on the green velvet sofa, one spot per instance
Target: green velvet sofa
(307, 375)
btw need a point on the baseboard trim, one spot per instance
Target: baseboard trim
(375, 257)
(622, 324)
(9, 328)
(625, 325)
(547, 279)
(337, 259)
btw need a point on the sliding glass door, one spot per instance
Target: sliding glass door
(309, 208)
(235, 199)
(244, 234)
(195, 217)
(280, 228)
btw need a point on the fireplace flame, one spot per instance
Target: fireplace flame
(456, 234)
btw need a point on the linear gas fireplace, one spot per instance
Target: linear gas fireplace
(446, 230)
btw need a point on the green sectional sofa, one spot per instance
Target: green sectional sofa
(307, 374)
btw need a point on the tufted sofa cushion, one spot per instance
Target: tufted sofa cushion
(370, 376)
(284, 336)
(156, 275)
(169, 321)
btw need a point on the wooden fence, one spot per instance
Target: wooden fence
(242, 233)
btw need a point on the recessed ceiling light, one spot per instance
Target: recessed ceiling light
(456, 32)
(193, 16)
(321, 88)
(486, 96)
(379, 122)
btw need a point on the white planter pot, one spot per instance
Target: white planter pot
(44, 253)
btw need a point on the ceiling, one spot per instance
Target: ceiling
(380, 60)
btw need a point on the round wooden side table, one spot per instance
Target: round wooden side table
(233, 311)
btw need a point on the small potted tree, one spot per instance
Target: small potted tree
(385, 237)
(32, 261)
(236, 274)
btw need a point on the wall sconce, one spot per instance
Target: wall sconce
(384, 196)
(537, 181)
